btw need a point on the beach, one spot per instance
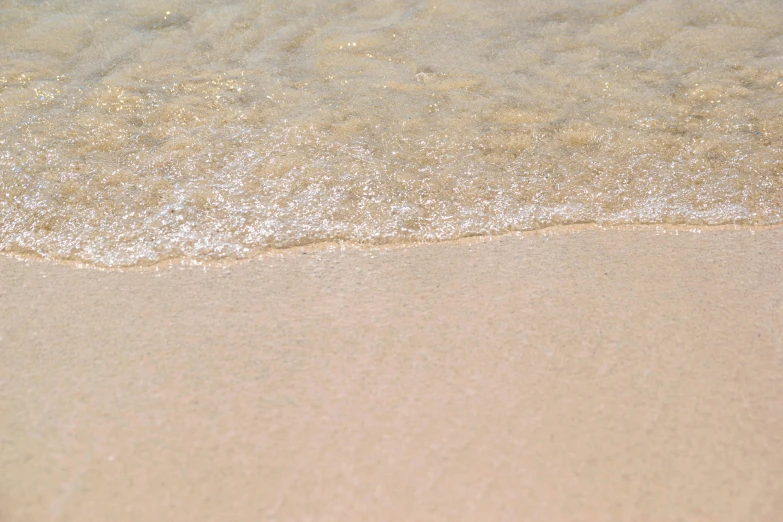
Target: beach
(582, 374)
(391, 260)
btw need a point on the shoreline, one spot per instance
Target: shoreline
(343, 246)
(602, 375)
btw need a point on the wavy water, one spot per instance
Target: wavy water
(133, 132)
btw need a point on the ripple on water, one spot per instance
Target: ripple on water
(132, 133)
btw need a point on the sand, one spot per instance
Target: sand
(596, 375)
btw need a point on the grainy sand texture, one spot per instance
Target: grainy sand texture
(406, 374)
(589, 376)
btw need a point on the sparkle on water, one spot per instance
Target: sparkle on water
(133, 132)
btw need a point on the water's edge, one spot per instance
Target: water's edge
(345, 246)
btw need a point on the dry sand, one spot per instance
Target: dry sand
(599, 375)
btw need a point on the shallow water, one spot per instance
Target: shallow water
(133, 132)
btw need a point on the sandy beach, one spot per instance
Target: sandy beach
(235, 284)
(621, 374)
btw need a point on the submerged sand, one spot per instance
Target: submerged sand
(600, 375)
(136, 132)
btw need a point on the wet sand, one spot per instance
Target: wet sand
(598, 375)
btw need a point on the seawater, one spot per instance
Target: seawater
(137, 131)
